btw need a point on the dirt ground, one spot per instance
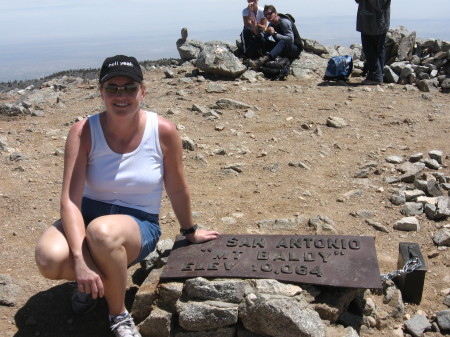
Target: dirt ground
(289, 125)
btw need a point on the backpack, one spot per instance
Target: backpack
(276, 70)
(297, 39)
(339, 68)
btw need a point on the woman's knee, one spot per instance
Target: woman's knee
(50, 259)
(100, 234)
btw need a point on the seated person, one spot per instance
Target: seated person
(281, 38)
(254, 23)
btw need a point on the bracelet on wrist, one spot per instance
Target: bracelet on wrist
(191, 230)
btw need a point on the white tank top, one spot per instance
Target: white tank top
(133, 179)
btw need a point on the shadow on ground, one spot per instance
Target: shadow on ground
(49, 314)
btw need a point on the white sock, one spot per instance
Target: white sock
(118, 317)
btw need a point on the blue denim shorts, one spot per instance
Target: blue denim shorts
(148, 223)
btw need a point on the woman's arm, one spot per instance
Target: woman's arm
(175, 181)
(75, 163)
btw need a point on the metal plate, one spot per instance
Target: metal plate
(334, 260)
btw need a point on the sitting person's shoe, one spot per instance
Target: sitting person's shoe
(82, 303)
(371, 82)
(256, 64)
(123, 326)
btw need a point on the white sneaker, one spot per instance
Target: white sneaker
(124, 327)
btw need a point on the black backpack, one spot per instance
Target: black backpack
(277, 70)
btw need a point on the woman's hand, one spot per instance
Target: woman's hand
(88, 279)
(202, 235)
(254, 25)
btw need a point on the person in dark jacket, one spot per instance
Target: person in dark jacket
(373, 21)
(281, 38)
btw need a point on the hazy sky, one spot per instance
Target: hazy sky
(46, 30)
(28, 20)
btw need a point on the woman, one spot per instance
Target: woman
(254, 23)
(115, 165)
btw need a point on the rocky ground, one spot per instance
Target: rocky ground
(277, 158)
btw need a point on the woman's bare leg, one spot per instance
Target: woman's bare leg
(52, 254)
(114, 242)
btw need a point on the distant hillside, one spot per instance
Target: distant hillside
(88, 74)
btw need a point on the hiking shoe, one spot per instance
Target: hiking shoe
(371, 82)
(82, 303)
(123, 326)
(256, 64)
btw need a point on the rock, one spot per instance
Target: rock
(411, 208)
(157, 324)
(336, 122)
(411, 170)
(442, 237)
(206, 315)
(436, 155)
(228, 331)
(188, 144)
(168, 73)
(249, 114)
(264, 286)
(426, 85)
(219, 61)
(168, 295)
(323, 225)
(443, 320)
(214, 87)
(412, 195)
(397, 199)
(12, 110)
(433, 188)
(300, 164)
(442, 208)
(432, 164)
(377, 226)
(417, 325)
(280, 317)
(407, 224)
(390, 76)
(447, 300)
(309, 66)
(145, 296)
(9, 291)
(232, 291)
(395, 159)
(406, 47)
(230, 104)
(314, 47)
(3, 145)
(445, 85)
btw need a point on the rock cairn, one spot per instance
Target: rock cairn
(409, 60)
(262, 307)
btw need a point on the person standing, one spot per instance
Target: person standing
(372, 21)
(115, 166)
(281, 38)
(254, 23)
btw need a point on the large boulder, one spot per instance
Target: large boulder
(216, 59)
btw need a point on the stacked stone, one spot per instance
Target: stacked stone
(424, 63)
(199, 307)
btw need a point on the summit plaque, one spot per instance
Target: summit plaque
(334, 260)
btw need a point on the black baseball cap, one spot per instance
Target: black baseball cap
(121, 65)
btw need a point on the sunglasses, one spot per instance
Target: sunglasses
(268, 14)
(128, 88)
